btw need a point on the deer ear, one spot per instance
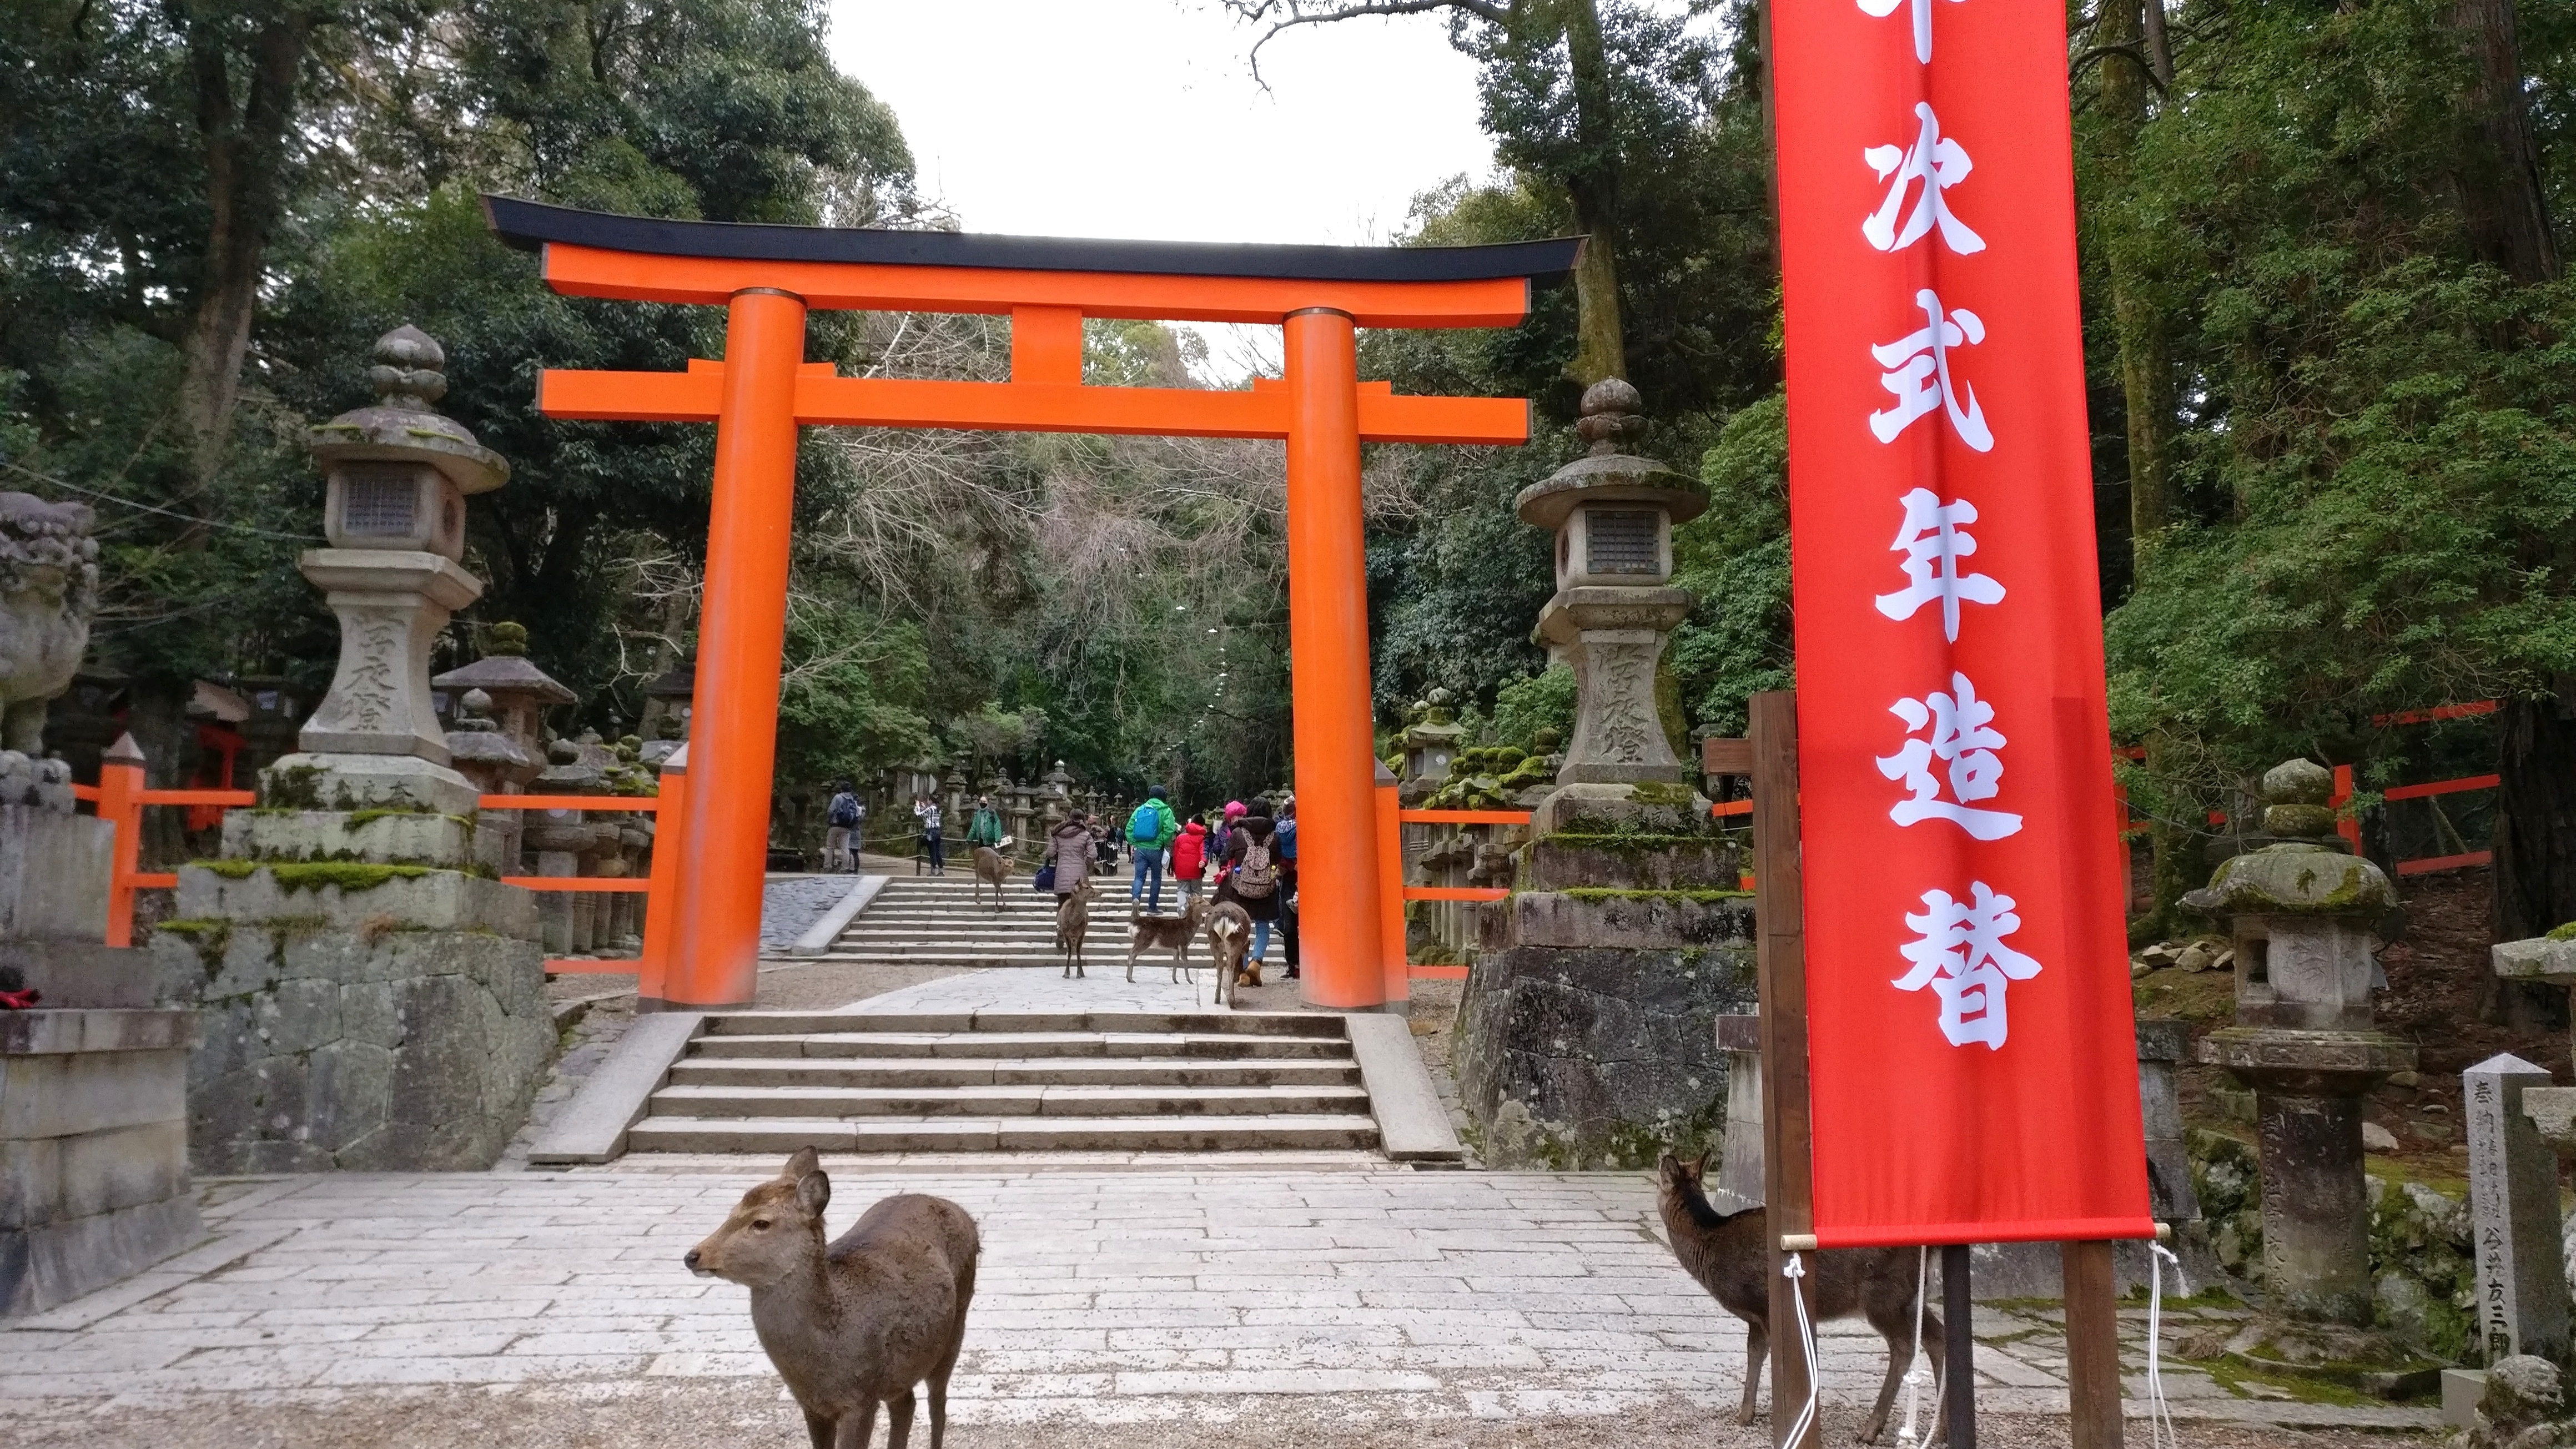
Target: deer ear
(814, 1192)
(800, 1162)
(1701, 1168)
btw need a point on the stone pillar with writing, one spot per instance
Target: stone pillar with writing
(2513, 1215)
(371, 998)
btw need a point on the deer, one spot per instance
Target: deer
(856, 1323)
(1149, 932)
(1072, 923)
(1229, 935)
(1730, 1255)
(991, 869)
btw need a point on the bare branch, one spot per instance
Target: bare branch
(1293, 13)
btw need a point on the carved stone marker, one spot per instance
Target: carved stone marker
(2513, 1214)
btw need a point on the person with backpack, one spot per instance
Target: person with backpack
(1150, 831)
(841, 829)
(1252, 877)
(986, 828)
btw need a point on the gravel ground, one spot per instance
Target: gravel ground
(754, 1414)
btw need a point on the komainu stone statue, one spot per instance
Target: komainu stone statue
(48, 591)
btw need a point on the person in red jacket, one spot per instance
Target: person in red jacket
(1189, 861)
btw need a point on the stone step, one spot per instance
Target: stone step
(1011, 1071)
(1027, 1099)
(1126, 1023)
(1009, 1045)
(773, 1136)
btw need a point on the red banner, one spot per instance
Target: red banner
(1971, 1044)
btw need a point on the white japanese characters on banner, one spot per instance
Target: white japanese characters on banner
(1964, 932)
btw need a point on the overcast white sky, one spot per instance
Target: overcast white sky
(1141, 118)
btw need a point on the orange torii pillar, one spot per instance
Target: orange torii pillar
(763, 390)
(1340, 935)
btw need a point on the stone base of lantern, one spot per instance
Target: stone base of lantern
(369, 999)
(1588, 1030)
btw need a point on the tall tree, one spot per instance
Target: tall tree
(1576, 92)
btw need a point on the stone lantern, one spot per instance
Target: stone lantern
(1613, 515)
(399, 475)
(2303, 912)
(1588, 1030)
(1431, 741)
(401, 1023)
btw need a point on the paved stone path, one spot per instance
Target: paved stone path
(1210, 1289)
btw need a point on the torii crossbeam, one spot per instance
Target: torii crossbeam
(768, 277)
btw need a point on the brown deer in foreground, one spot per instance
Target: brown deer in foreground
(1072, 923)
(1730, 1255)
(857, 1323)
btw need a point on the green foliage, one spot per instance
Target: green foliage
(1543, 701)
(1735, 561)
(2376, 455)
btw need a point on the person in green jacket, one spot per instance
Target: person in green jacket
(1150, 833)
(987, 826)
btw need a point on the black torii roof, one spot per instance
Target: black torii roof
(529, 225)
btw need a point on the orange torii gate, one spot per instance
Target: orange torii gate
(767, 277)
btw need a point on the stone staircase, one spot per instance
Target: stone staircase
(770, 1082)
(934, 921)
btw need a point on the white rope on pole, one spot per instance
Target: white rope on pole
(1793, 1271)
(1915, 1374)
(2160, 1424)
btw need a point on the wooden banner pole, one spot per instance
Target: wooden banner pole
(1959, 1358)
(1779, 913)
(2092, 1344)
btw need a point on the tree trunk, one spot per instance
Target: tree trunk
(2146, 368)
(2535, 834)
(2508, 212)
(245, 146)
(1600, 344)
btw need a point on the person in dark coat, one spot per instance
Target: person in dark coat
(1069, 851)
(1252, 843)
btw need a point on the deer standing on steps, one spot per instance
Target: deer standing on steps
(857, 1323)
(991, 869)
(1730, 1255)
(1072, 923)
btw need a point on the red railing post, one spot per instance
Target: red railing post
(2346, 826)
(662, 903)
(1390, 889)
(120, 803)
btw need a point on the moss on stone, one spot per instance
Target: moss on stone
(1696, 897)
(2563, 933)
(211, 938)
(1661, 792)
(1631, 843)
(349, 876)
(229, 869)
(292, 787)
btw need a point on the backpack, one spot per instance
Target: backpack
(1145, 827)
(845, 809)
(1255, 878)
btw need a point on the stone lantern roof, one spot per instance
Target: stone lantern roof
(2308, 872)
(403, 426)
(506, 670)
(1606, 475)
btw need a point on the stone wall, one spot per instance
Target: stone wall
(378, 1048)
(1600, 1057)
